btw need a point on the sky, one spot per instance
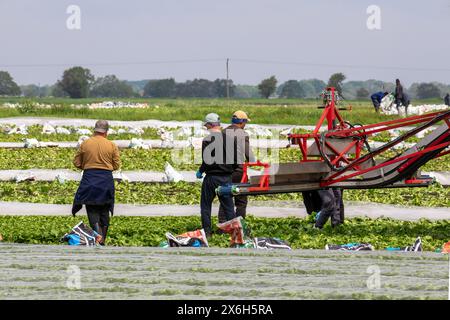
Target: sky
(187, 39)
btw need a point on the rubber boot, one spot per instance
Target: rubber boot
(104, 233)
(98, 229)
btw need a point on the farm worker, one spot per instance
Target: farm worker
(242, 153)
(376, 99)
(331, 206)
(401, 98)
(447, 99)
(217, 169)
(97, 157)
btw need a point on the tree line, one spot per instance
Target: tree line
(78, 82)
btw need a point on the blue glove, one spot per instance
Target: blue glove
(317, 216)
(199, 175)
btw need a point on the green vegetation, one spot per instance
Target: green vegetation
(7, 85)
(267, 87)
(280, 111)
(149, 231)
(184, 193)
(149, 160)
(35, 131)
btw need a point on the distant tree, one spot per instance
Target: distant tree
(246, 91)
(76, 82)
(336, 81)
(267, 87)
(220, 88)
(427, 91)
(57, 91)
(312, 87)
(164, 88)
(31, 90)
(111, 87)
(200, 88)
(7, 85)
(292, 89)
(362, 93)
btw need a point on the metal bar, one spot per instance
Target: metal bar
(426, 150)
(442, 154)
(322, 118)
(350, 145)
(336, 152)
(382, 148)
(395, 124)
(431, 144)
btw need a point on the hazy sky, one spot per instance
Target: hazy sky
(186, 39)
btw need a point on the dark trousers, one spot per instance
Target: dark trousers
(98, 216)
(210, 183)
(402, 102)
(332, 207)
(240, 202)
(376, 104)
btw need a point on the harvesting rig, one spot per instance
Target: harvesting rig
(341, 157)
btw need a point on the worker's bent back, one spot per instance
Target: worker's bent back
(98, 153)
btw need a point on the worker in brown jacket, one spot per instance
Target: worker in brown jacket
(97, 157)
(242, 153)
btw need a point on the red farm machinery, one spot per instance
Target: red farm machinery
(341, 157)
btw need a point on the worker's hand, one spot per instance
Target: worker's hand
(317, 216)
(199, 175)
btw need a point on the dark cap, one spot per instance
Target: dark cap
(101, 126)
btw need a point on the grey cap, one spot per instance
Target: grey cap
(101, 126)
(212, 118)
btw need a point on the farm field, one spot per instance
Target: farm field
(289, 111)
(36, 262)
(42, 272)
(150, 231)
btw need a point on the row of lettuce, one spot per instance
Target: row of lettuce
(150, 231)
(183, 193)
(153, 159)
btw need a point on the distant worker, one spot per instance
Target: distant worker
(218, 171)
(97, 157)
(401, 98)
(242, 153)
(377, 97)
(447, 100)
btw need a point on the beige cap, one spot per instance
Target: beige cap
(101, 126)
(241, 115)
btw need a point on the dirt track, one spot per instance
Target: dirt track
(41, 272)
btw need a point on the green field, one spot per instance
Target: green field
(261, 111)
(150, 231)
(184, 193)
(149, 160)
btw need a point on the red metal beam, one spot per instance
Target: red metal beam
(386, 163)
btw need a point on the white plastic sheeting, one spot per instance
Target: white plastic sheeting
(136, 143)
(31, 143)
(172, 175)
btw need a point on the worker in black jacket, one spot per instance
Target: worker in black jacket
(401, 98)
(218, 170)
(447, 99)
(242, 153)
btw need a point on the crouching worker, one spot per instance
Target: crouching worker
(97, 157)
(218, 170)
(328, 203)
(377, 97)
